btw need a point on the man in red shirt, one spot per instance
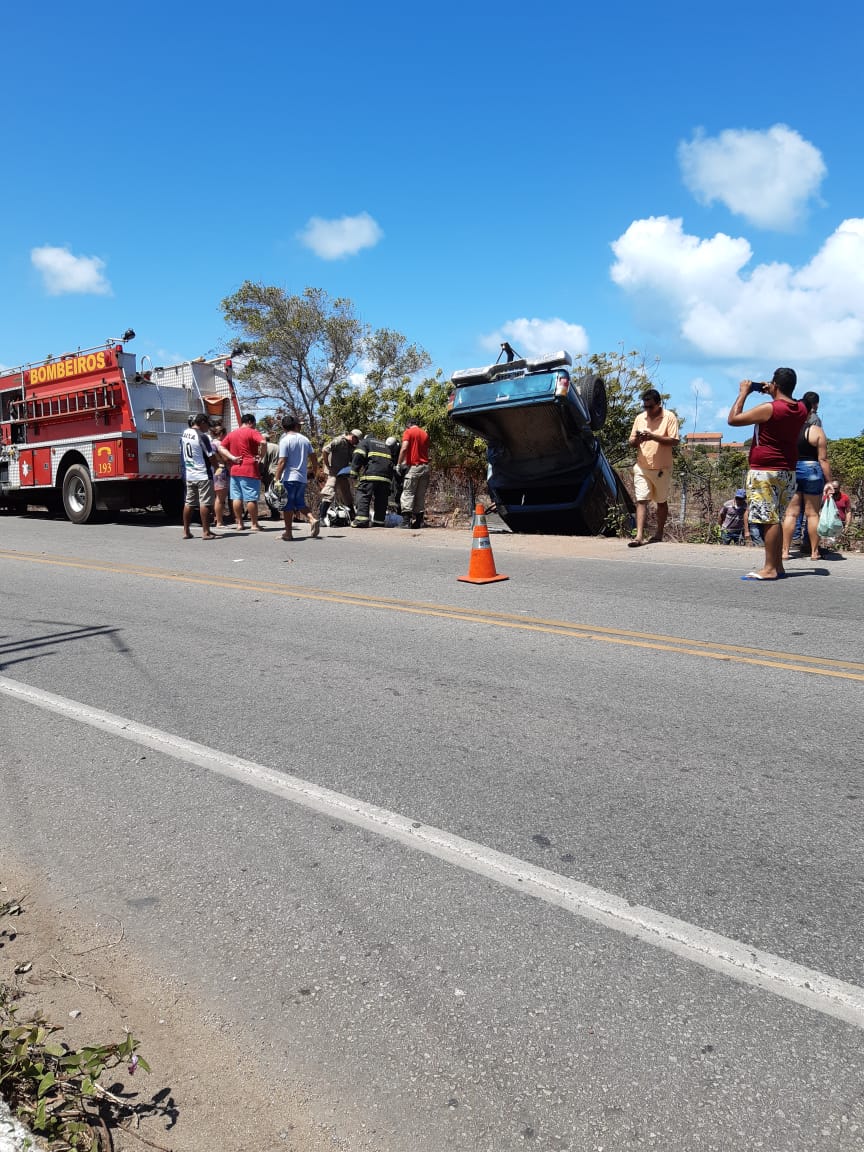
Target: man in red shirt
(771, 480)
(413, 463)
(844, 504)
(247, 443)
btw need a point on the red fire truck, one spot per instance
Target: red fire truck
(91, 431)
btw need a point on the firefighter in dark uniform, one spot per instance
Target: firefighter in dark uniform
(372, 467)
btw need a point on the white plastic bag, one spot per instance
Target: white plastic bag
(830, 523)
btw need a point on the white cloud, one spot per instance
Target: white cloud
(767, 177)
(809, 313)
(63, 273)
(538, 337)
(335, 239)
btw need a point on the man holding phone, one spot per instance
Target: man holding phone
(654, 435)
(771, 481)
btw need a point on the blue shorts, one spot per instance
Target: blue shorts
(296, 491)
(246, 489)
(809, 477)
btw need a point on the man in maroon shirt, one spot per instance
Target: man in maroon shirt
(773, 455)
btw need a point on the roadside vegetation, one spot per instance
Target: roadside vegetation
(59, 1092)
(311, 354)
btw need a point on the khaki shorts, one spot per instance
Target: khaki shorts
(651, 485)
(199, 493)
(338, 486)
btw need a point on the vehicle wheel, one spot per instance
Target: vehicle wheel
(172, 499)
(593, 392)
(78, 497)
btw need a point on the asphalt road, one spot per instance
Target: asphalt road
(567, 862)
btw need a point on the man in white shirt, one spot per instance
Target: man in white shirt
(198, 457)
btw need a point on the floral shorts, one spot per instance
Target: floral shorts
(768, 495)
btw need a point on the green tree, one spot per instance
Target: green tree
(391, 359)
(299, 350)
(385, 411)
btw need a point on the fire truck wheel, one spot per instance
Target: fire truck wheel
(78, 501)
(172, 501)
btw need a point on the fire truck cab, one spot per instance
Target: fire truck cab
(91, 430)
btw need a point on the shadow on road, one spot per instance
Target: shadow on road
(30, 648)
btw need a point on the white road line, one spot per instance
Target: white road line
(747, 965)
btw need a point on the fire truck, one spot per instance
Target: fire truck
(92, 431)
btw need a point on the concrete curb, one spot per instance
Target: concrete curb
(14, 1137)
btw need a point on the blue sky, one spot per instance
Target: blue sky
(682, 180)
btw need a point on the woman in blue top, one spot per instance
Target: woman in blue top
(813, 478)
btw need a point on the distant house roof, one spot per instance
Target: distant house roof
(713, 440)
(710, 440)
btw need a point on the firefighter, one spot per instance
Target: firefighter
(372, 468)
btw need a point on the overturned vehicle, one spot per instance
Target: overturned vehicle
(546, 469)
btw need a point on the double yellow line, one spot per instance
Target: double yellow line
(707, 649)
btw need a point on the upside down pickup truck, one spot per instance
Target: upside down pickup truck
(546, 470)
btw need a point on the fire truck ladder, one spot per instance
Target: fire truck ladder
(194, 366)
(145, 372)
(63, 405)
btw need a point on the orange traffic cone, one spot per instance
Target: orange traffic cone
(481, 568)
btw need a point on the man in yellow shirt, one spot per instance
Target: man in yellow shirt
(654, 435)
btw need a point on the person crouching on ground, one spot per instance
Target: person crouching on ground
(733, 519)
(292, 471)
(771, 479)
(654, 435)
(843, 505)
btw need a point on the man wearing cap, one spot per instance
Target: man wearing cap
(733, 519)
(336, 457)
